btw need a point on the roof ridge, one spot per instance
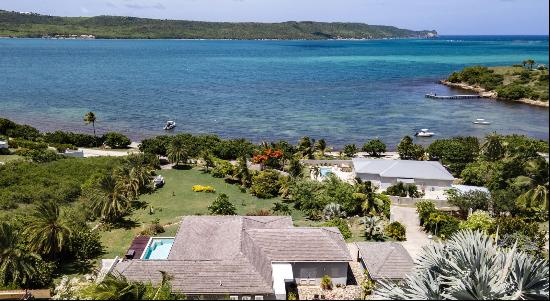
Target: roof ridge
(334, 242)
(388, 254)
(389, 167)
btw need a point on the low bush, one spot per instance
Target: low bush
(479, 220)
(326, 282)
(424, 209)
(201, 188)
(341, 224)
(396, 230)
(222, 169)
(116, 140)
(153, 229)
(514, 91)
(265, 184)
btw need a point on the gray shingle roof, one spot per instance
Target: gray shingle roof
(238, 251)
(385, 260)
(431, 170)
(200, 277)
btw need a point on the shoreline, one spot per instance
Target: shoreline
(492, 94)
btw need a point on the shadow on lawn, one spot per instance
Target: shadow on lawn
(182, 167)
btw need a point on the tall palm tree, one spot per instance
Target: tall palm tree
(16, 264)
(133, 177)
(321, 146)
(470, 266)
(106, 201)
(177, 151)
(47, 232)
(90, 118)
(493, 148)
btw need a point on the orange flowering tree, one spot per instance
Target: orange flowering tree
(269, 157)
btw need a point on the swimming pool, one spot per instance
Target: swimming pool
(158, 248)
(325, 171)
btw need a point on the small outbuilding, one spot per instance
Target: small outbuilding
(384, 260)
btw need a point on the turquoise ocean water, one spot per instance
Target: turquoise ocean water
(343, 91)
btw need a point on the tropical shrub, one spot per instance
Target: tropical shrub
(115, 140)
(475, 200)
(332, 211)
(153, 228)
(222, 169)
(68, 138)
(281, 208)
(374, 227)
(350, 150)
(408, 150)
(517, 230)
(27, 144)
(424, 209)
(403, 190)
(395, 230)
(514, 91)
(454, 153)
(479, 220)
(201, 188)
(38, 155)
(222, 206)
(259, 212)
(470, 266)
(367, 285)
(269, 158)
(265, 184)
(374, 148)
(326, 283)
(441, 224)
(341, 224)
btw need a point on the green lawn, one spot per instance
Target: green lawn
(7, 158)
(176, 199)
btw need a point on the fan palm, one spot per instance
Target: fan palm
(470, 265)
(47, 232)
(16, 264)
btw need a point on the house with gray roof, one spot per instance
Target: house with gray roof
(427, 175)
(240, 257)
(384, 260)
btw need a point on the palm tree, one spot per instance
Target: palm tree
(493, 148)
(471, 266)
(90, 118)
(16, 264)
(106, 201)
(535, 198)
(321, 146)
(118, 287)
(242, 173)
(177, 151)
(316, 171)
(530, 62)
(47, 232)
(133, 177)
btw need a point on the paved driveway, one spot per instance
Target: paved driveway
(416, 237)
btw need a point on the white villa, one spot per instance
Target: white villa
(427, 175)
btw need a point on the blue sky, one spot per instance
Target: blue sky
(446, 16)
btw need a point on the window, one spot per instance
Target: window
(246, 298)
(258, 297)
(233, 297)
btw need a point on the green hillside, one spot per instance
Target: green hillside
(13, 24)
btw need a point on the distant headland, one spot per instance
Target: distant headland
(31, 25)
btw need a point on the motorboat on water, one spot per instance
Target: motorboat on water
(170, 124)
(481, 121)
(424, 133)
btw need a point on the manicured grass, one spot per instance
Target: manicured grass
(177, 199)
(8, 158)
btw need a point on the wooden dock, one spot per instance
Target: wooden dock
(434, 96)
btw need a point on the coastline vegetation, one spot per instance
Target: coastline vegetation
(14, 24)
(93, 207)
(508, 82)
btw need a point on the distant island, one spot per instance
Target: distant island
(31, 25)
(521, 82)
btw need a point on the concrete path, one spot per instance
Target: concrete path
(88, 152)
(416, 237)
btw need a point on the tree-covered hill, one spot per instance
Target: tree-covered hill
(14, 24)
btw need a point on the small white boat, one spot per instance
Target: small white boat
(481, 121)
(424, 133)
(169, 125)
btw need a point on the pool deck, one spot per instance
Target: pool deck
(138, 245)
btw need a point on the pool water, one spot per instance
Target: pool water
(325, 171)
(158, 248)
